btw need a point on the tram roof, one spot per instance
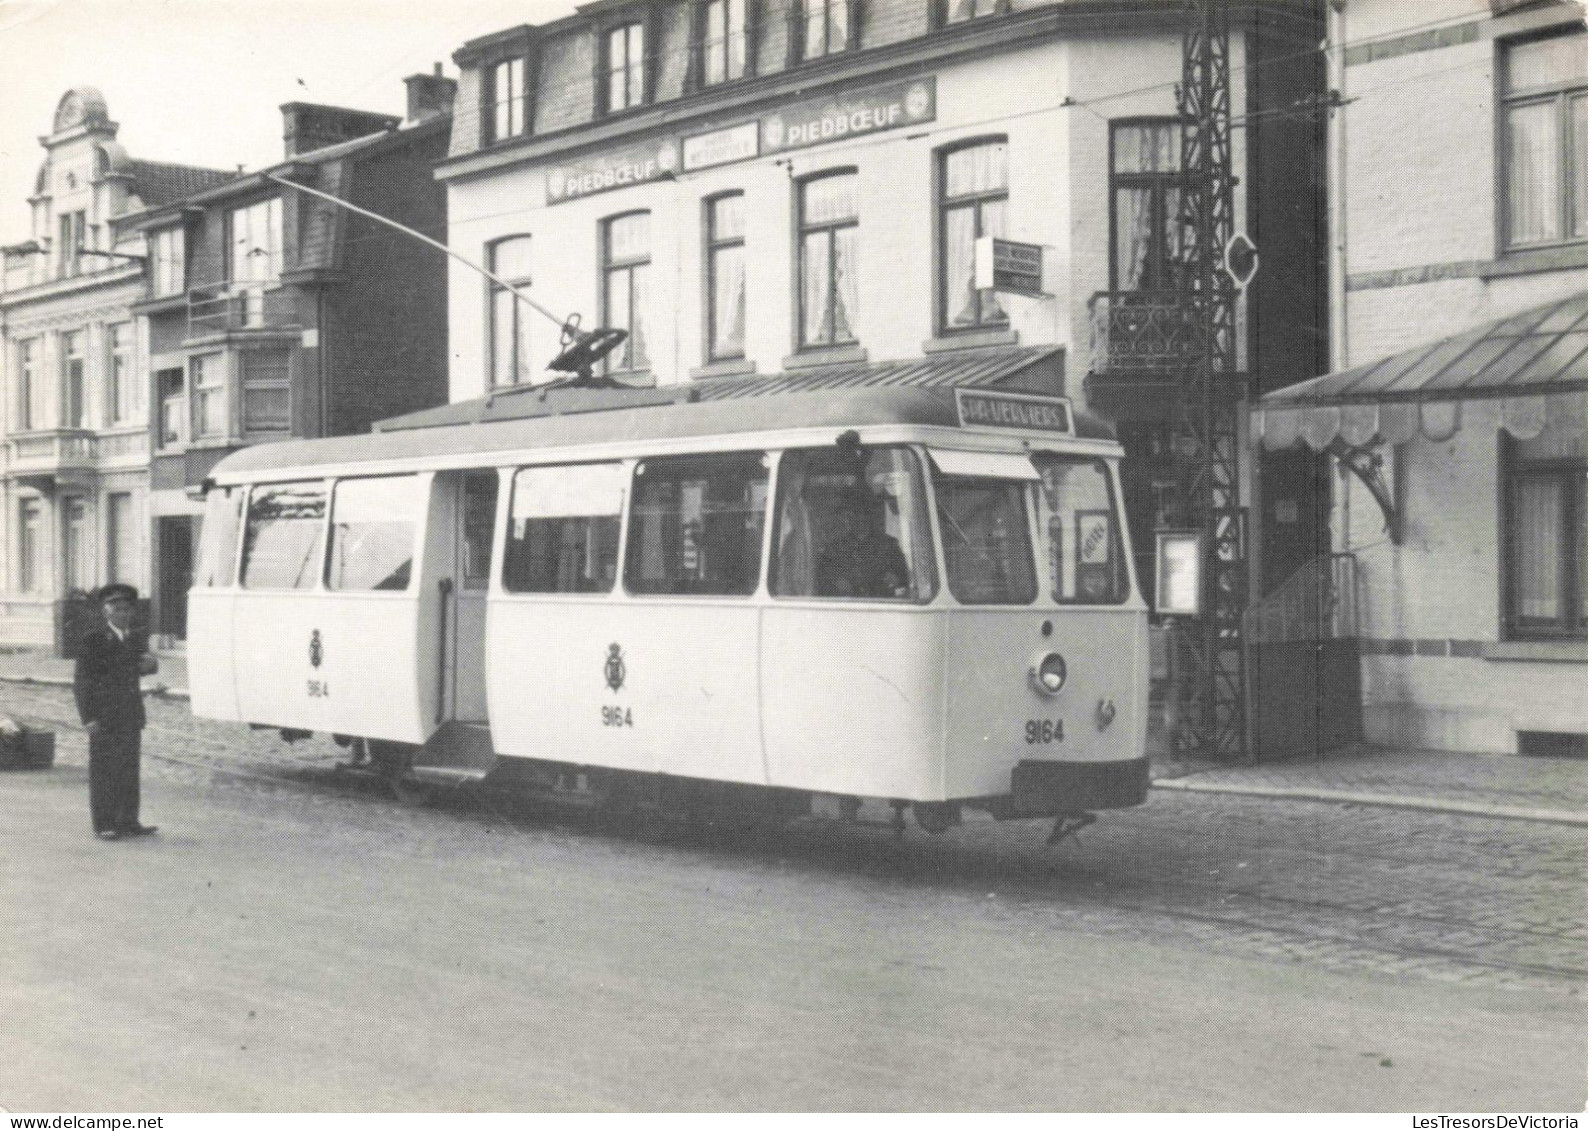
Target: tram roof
(572, 417)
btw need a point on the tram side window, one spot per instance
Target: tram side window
(562, 531)
(986, 541)
(1079, 521)
(852, 524)
(283, 538)
(695, 527)
(373, 526)
(223, 512)
(479, 525)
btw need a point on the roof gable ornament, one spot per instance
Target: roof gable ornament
(79, 106)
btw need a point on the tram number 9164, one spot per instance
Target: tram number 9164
(617, 717)
(1043, 731)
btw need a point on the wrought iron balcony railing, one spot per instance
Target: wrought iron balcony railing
(220, 307)
(1145, 331)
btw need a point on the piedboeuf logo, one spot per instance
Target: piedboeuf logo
(615, 667)
(316, 649)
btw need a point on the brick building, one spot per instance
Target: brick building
(273, 314)
(1459, 207)
(74, 418)
(793, 190)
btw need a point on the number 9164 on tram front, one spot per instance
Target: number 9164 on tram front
(922, 596)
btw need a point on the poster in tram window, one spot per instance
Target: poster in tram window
(1094, 554)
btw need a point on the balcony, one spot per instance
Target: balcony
(1145, 333)
(73, 455)
(224, 308)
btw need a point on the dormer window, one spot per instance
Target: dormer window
(624, 54)
(71, 228)
(829, 27)
(507, 99)
(724, 54)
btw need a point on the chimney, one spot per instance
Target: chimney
(307, 127)
(429, 96)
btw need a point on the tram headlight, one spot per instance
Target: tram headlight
(1048, 673)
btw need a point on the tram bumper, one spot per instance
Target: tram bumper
(1049, 789)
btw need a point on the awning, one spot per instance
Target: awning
(1526, 374)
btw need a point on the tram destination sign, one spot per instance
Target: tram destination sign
(979, 409)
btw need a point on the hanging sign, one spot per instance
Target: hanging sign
(1008, 266)
(851, 115)
(620, 168)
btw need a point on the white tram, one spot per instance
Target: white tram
(917, 595)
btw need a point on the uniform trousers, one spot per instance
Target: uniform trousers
(113, 757)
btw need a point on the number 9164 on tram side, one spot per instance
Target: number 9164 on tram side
(923, 596)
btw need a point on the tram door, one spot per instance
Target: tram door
(474, 516)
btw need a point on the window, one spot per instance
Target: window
(725, 298)
(253, 254)
(625, 67)
(1145, 156)
(829, 230)
(695, 526)
(27, 384)
(167, 263)
(723, 41)
(209, 394)
(30, 546)
(1546, 528)
(974, 196)
(283, 536)
(829, 27)
(123, 392)
(562, 530)
(510, 317)
(626, 252)
(986, 541)
(852, 524)
(75, 543)
(1077, 518)
(172, 384)
(508, 100)
(373, 526)
(267, 391)
(479, 527)
(121, 539)
(959, 11)
(71, 228)
(223, 512)
(75, 406)
(1545, 147)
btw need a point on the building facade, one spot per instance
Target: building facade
(74, 423)
(796, 191)
(1459, 208)
(272, 313)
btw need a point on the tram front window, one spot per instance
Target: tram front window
(562, 534)
(373, 524)
(695, 527)
(1078, 518)
(284, 536)
(986, 540)
(852, 525)
(218, 540)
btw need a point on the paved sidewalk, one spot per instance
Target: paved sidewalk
(1490, 785)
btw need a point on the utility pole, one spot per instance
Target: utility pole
(1211, 658)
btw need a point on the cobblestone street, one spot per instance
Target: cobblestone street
(1336, 886)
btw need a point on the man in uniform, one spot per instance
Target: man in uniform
(110, 661)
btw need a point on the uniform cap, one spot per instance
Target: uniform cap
(118, 592)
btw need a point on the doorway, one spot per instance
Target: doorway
(175, 541)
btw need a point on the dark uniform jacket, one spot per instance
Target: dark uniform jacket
(107, 682)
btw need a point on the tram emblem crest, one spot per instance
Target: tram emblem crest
(316, 649)
(615, 667)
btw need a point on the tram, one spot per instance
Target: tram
(922, 596)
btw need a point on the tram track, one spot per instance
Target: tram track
(1166, 866)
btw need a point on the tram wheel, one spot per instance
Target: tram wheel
(936, 816)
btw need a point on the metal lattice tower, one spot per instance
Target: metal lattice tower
(1213, 710)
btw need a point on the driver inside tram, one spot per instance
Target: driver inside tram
(860, 558)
